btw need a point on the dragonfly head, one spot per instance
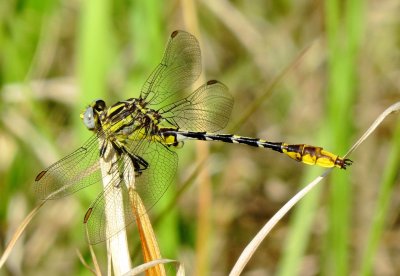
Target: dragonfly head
(92, 113)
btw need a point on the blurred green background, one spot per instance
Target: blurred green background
(316, 72)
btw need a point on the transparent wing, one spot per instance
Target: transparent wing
(155, 180)
(179, 68)
(109, 214)
(206, 109)
(151, 184)
(72, 173)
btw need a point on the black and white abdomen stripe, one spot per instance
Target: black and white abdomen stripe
(227, 138)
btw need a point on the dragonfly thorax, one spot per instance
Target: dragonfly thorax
(125, 121)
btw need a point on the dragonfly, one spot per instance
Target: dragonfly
(145, 133)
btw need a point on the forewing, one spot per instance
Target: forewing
(206, 109)
(72, 173)
(178, 70)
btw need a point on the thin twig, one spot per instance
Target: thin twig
(18, 233)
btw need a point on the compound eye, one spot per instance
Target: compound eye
(88, 118)
(99, 105)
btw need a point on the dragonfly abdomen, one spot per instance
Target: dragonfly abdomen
(306, 154)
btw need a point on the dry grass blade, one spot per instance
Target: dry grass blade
(117, 245)
(85, 264)
(143, 267)
(391, 109)
(148, 240)
(239, 25)
(269, 87)
(253, 245)
(94, 258)
(18, 233)
(204, 179)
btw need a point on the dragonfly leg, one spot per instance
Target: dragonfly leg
(139, 164)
